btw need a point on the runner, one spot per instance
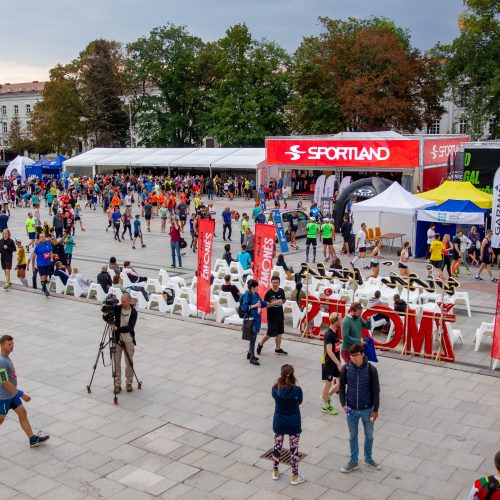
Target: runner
(293, 227)
(7, 248)
(375, 259)
(11, 398)
(330, 363)
(436, 254)
(30, 224)
(328, 236)
(485, 256)
(22, 265)
(404, 258)
(361, 247)
(137, 231)
(41, 260)
(312, 231)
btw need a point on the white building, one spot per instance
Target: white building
(17, 100)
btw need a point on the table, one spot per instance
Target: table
(392, 237)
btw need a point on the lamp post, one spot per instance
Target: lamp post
(3, 141)
(126, 99)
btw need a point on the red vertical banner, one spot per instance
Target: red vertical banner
(263, 259)
(206, 229)
(495, 346)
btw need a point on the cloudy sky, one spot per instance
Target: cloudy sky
(36, 35)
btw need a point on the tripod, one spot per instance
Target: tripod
(108, 339)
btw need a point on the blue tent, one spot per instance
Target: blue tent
(58, 161)
(447, 216)
(45, 168)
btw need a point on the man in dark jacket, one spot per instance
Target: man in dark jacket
(124, 336)
(359, 395)
(104, 279)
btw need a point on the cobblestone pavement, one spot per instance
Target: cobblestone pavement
(95, 246)
(203, 418)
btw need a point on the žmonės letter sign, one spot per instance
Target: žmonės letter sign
(330, 153)
(206, 229)
(263, 259)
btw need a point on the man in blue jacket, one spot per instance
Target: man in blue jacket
(226, 219)
(359, 394)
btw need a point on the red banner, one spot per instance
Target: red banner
(402, 153)
(495, 346)
(263, 259)
(206, 229)
(437, 151)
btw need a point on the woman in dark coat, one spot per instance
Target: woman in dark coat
(288, 398)
(7, 248)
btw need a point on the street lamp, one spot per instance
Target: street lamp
(3, 140)
(127, 100)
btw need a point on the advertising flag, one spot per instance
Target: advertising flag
(206, 229)
(495, 346)
(280, 230)
(495, 211)
(263, 259)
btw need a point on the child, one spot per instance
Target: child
(137, 231)
(227, 254)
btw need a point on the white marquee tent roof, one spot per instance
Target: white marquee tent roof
(219, 158)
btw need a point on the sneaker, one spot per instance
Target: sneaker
(372, 464)
(297, 479)
(39, 439)
(173, 266)
(254, 361)
(330, 410)
(180, 267)
(349, 467)
(276, 475)
(494, 280)
(46, 292)
(479, 278)
(281, 352)
(143, 246)
(133, 248)
(314, 261)
(259, 348)
(7, 285)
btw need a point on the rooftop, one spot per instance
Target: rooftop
(22, 88)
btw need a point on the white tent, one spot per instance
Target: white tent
(17, 166)
(394, 211)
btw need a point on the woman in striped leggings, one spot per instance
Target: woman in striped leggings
(288, 398)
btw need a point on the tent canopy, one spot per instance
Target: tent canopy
(394, 199)
(216, 158)
(394, 211)
(453, 212)
(57, 161)
(455, 190)
(17, 166)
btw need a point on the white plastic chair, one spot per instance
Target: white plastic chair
(164, 277)
(153, 285)
(387, 294)
(297, 314)
(233, 320)
(57, 284)
(228, 298)
(127, 283)
(485, 330)
(141, 302)
(96, 291)
(366, 291)
(221, 265)
(116, 292)
(156, 300)
(73, 288)
(462, 298)
(222, 312)
(188, 293)
(455, 335)
(236, 270)
(186, 309)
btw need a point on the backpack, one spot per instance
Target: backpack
(239, 310)
(170, 295)
(490, 486)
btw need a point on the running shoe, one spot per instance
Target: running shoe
(276, 475)
(349, 467)
(494, 280)
(297, 479)
(259, 348)
(277, 351)
(330, 410)
(372, 464)
(39, 439)
(479, 278)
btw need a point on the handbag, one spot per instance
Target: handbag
(247, 329)
(183, 243)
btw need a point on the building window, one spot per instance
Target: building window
(16, 110)
(5, 129)
(4, 110)
(28, 109)
(463, 126)
(433, 128)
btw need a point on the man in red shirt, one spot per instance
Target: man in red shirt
(175, 241)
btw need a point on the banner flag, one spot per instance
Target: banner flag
(206, 229)
(280, 230)
(495, 345)
(495, 211)
(263, 259)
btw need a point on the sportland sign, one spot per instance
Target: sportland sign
(339, 153)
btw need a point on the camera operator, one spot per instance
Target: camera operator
(124, 337)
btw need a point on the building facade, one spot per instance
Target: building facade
(17, 100)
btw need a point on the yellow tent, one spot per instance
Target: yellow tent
(454, 190)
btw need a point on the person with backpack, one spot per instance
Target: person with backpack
(359, 394)
(488, 487)
(251, 308)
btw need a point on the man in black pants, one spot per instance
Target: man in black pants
(275, 297)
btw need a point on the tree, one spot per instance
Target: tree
(363, 75)
(56, 121)
(250, 91)
(18, 138)
(168, 79)
(471, 68)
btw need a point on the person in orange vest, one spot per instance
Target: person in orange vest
(488, 487)
(154, 201)
(115, 200)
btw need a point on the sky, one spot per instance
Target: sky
(37, 35)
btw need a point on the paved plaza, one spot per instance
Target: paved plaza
(203, 418)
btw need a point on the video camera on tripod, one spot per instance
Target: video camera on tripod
(108, 309)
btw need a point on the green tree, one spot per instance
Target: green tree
(250, 90)
(168, 79)
(471, 68)
(363, 75)
(56, 121)
(18, 138)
